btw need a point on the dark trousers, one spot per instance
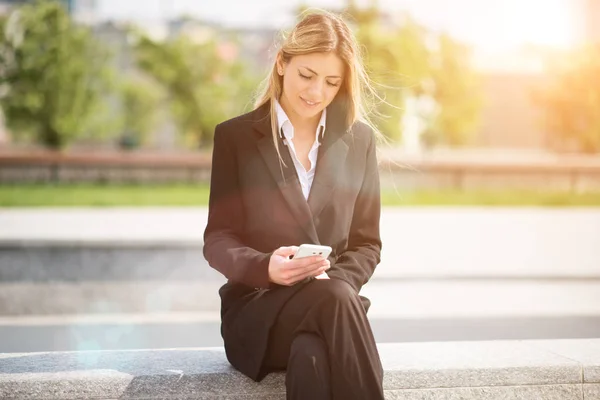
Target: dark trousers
(322, 337)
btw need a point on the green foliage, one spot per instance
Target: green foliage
(407, 61)
(140, 102)
(571, 102)
(53, 75)
(203, 88)
(398, 62)
(456, 92)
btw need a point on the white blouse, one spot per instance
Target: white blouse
(306, 177)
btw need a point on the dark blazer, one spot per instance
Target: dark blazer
(256, 206)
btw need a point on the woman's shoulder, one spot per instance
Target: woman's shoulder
(245, 120)
(362, 131)
(237, 129)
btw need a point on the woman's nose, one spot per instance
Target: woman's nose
(316, 90)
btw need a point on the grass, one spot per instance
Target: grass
(102, 195)
(188, 195)
(516, 198)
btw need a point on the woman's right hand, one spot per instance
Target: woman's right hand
(286, 271)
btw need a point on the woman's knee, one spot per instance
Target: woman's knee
(308, 345)
(337, 291)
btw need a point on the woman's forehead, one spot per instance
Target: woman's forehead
(323, 64)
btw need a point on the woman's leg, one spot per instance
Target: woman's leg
(332, 310)
(307, 374)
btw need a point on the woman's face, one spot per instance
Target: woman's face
(310, 83)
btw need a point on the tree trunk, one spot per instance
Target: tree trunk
(52, 139)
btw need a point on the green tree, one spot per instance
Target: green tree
(393, 77)
(456, 90)
(408, 61)
(139, 103)
(53, 75)
(399, 61)
(203, 88)
(571, 101)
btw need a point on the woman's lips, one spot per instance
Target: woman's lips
(310, 104)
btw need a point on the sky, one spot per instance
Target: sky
(492, 25)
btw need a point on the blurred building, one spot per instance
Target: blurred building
(510, 116)
(7, 5)
(84, 11)
(198, 31)
(115, 36)
(258, 47)
(255, 46)
(591, 20)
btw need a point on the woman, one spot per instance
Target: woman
(300, 168)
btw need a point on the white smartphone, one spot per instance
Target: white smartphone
(307, 250)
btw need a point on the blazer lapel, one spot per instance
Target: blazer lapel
(285, 176)
(330, 162)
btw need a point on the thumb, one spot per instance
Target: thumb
(286, 251)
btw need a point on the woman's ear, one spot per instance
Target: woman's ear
(280, 65)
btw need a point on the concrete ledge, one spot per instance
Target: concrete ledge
(553, 369)
(103, 262)
(68, 298)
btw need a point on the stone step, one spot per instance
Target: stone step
(175, 261)
(200, 329)
(98, 262)
(530, 370)
(105, 297)
(418, 243)
(390, 299)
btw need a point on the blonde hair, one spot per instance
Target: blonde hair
(322, 31)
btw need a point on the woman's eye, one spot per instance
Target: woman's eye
(310, 77)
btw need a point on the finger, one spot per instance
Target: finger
(310, 270)
(304, 262)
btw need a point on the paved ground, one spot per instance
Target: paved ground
(401, 311)
(121, 333)
(446, 274)
(390, 298)
(418, 242)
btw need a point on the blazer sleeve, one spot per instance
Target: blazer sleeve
(223, 247)
(357, 263)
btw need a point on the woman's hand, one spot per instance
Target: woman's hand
(286, 271)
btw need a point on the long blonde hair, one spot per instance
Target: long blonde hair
(323, 31)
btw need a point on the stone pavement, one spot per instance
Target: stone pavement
(437, 262)
(532, 370)
(419, 242)
(446, 274)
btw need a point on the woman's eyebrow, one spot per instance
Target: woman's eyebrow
(330, 76)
